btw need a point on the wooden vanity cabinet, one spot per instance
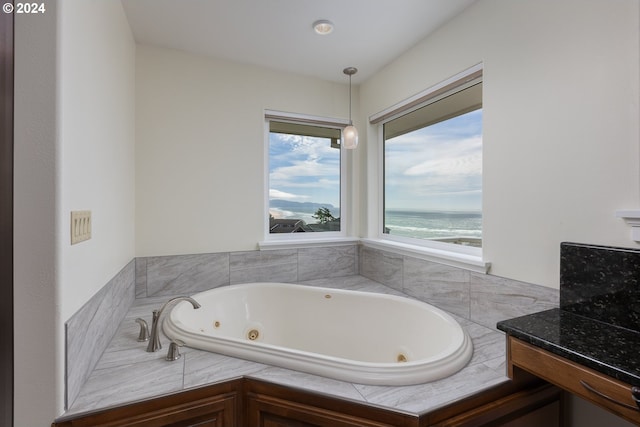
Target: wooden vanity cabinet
(211, 406)
(600, 389)
(508, 405)
(270, 405)
(248, 402)
(539, 404)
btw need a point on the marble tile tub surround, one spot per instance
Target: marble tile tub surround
(188, 274)
(126, 372)
(90, 330)
(481, 298)
(601, 282)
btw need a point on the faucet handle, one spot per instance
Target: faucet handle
(144, 330)
(174, 351)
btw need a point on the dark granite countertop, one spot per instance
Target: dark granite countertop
(604, 347)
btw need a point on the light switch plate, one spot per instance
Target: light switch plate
(80, 226)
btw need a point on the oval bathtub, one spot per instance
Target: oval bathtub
(354, 336)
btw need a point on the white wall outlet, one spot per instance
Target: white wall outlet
(80, 226)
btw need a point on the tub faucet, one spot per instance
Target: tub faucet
(154, 339)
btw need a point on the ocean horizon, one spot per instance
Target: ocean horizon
(433, 224)
(422, 224)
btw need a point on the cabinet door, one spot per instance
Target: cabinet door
(268, 411)
(189, 409)
(530, 407)
(209, 413)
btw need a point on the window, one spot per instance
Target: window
(304, 177)
(432, 177)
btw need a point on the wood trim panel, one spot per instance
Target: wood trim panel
(263, 410)
(6, 216)
(256, 403)
(506, 409)
(216, 405)
(487, 397)
(571, 376)
(264, 399)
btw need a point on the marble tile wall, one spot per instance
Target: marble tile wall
(481, 298)
(320, 263)
(263, 266)
(187, 274)
(89, 331)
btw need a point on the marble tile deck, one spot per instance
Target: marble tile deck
(126, 372)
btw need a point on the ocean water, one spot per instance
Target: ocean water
(433, 224)
(416, 224)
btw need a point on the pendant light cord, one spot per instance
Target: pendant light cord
(350, 121)
(350, 71)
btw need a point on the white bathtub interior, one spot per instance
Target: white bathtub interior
(348, 335)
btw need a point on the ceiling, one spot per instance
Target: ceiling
(278, 34)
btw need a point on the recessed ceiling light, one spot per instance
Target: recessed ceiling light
(323, 27)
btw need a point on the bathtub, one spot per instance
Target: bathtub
(359, 337)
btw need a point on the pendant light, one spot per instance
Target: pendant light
(350, 132)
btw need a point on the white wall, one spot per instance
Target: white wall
(74, 150)
(38, 386)
(561, 131)
(200, 145)
(96, 107)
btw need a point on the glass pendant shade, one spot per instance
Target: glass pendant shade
(350, 134)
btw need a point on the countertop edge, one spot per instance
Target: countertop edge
(510, 327)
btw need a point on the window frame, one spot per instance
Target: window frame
(277, 240)
(429, 248)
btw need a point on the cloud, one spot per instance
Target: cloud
(277, 194)
(305, 168)
(462, 158)
(304, 165)
(437, 167)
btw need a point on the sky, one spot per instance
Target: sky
(303, 169)
(434, 168)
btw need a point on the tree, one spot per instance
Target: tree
(323, 215)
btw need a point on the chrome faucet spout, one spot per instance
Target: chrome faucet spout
(154, 339)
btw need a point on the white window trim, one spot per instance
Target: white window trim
(428, 95)
(307, 243)
(279, 241)
(441, 256)
(467, 257)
